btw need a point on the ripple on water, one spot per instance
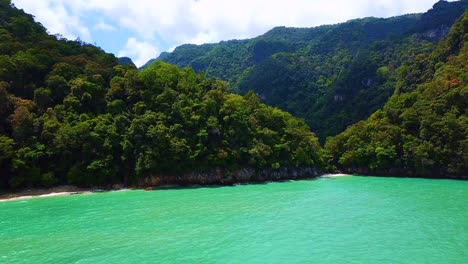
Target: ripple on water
(346, 220)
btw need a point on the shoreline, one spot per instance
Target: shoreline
(73, 190)
(53, 194)
(336, 175)
(44, 192)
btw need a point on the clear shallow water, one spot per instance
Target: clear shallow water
(342, 220)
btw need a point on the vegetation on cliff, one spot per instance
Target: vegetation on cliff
(70, 114)
(332, 76)
(423, 129)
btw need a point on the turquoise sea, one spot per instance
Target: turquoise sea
(327, 220)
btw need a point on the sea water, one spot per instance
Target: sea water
(327, 220)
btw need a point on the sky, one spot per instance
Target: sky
(142, 29)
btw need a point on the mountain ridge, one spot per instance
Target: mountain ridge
(303, 70)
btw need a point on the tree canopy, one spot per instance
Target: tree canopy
(332, 76)
(70, 114)
(423, 128)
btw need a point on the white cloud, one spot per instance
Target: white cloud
(104, 27)
(177, 22)
(139, 51)
(54, 15)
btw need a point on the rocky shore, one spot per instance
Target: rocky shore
(228, 177)
(214, 177)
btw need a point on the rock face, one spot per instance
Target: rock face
(227, 177)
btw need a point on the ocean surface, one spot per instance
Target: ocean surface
(327, 220)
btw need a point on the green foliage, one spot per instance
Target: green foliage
(42, 98)
(71, 115)
(332, 76)
(422, 130)
(7, 148)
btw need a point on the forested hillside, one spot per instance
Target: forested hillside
(332, 76)
(423, 129)
(70, 114)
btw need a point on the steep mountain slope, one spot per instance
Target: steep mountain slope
(69, 114)
(423, 129)
(126, 61)
(332, 76)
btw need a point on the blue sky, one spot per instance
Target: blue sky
(142, 29)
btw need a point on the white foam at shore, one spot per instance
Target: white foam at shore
(335, 175)
(26, 197)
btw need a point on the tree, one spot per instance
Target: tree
(42, 98)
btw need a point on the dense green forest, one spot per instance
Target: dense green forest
(70, 114)
(332, 76)
(423, 129)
